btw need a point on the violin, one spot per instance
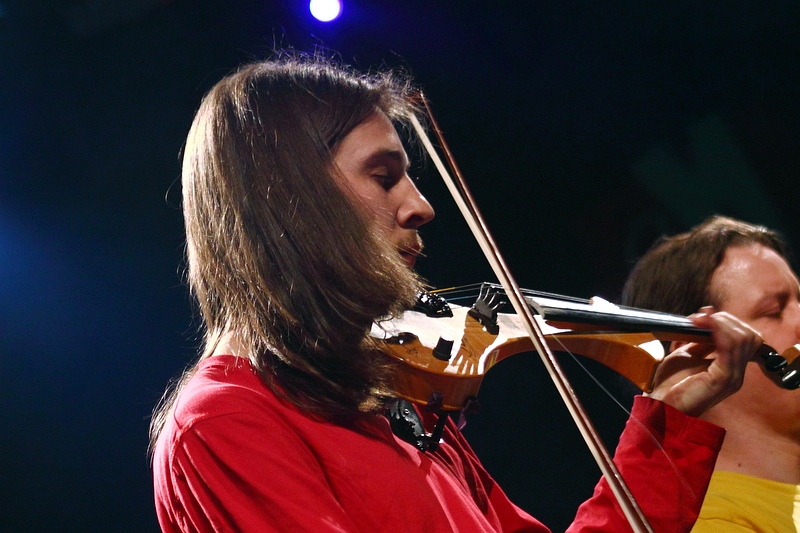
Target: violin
(446, 349)
(441, 378)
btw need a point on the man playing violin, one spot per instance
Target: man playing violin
(301, 225)
(742, 269)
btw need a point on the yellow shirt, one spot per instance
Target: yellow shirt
(736, 503)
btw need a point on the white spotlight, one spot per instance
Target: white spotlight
(325, 10)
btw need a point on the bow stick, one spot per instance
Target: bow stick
(469, 210)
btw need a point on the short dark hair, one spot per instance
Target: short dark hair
(674, 276)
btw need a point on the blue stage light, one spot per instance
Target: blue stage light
(325, 10)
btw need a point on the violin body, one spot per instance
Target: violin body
(445, 350)
(453, 377)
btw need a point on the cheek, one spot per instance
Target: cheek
(380, 213)
(761, 393)
(381, 207)
(780, 338)
(374, 201)
(756, 382)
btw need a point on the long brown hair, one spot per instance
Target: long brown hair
(277, 253)
(674, 276)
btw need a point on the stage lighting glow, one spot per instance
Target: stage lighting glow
(325, 10)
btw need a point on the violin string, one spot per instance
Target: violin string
(472, 291)
(643, 427)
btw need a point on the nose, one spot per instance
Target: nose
(795, 318)
(791, 321)
(414, 210)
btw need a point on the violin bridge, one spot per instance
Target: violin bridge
(484, 310)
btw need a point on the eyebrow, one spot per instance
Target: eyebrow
(379, 157)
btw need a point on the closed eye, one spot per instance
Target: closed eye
(387, 167)
(386, 181)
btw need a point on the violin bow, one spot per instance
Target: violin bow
(469, 210)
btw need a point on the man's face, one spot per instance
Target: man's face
(374, 167)
(755, 284)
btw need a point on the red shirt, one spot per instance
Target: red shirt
(234, 457)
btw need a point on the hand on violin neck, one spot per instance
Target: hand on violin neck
(695, 377)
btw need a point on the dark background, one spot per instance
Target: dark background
(585, 130)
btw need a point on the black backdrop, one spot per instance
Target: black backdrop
(584, 129)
